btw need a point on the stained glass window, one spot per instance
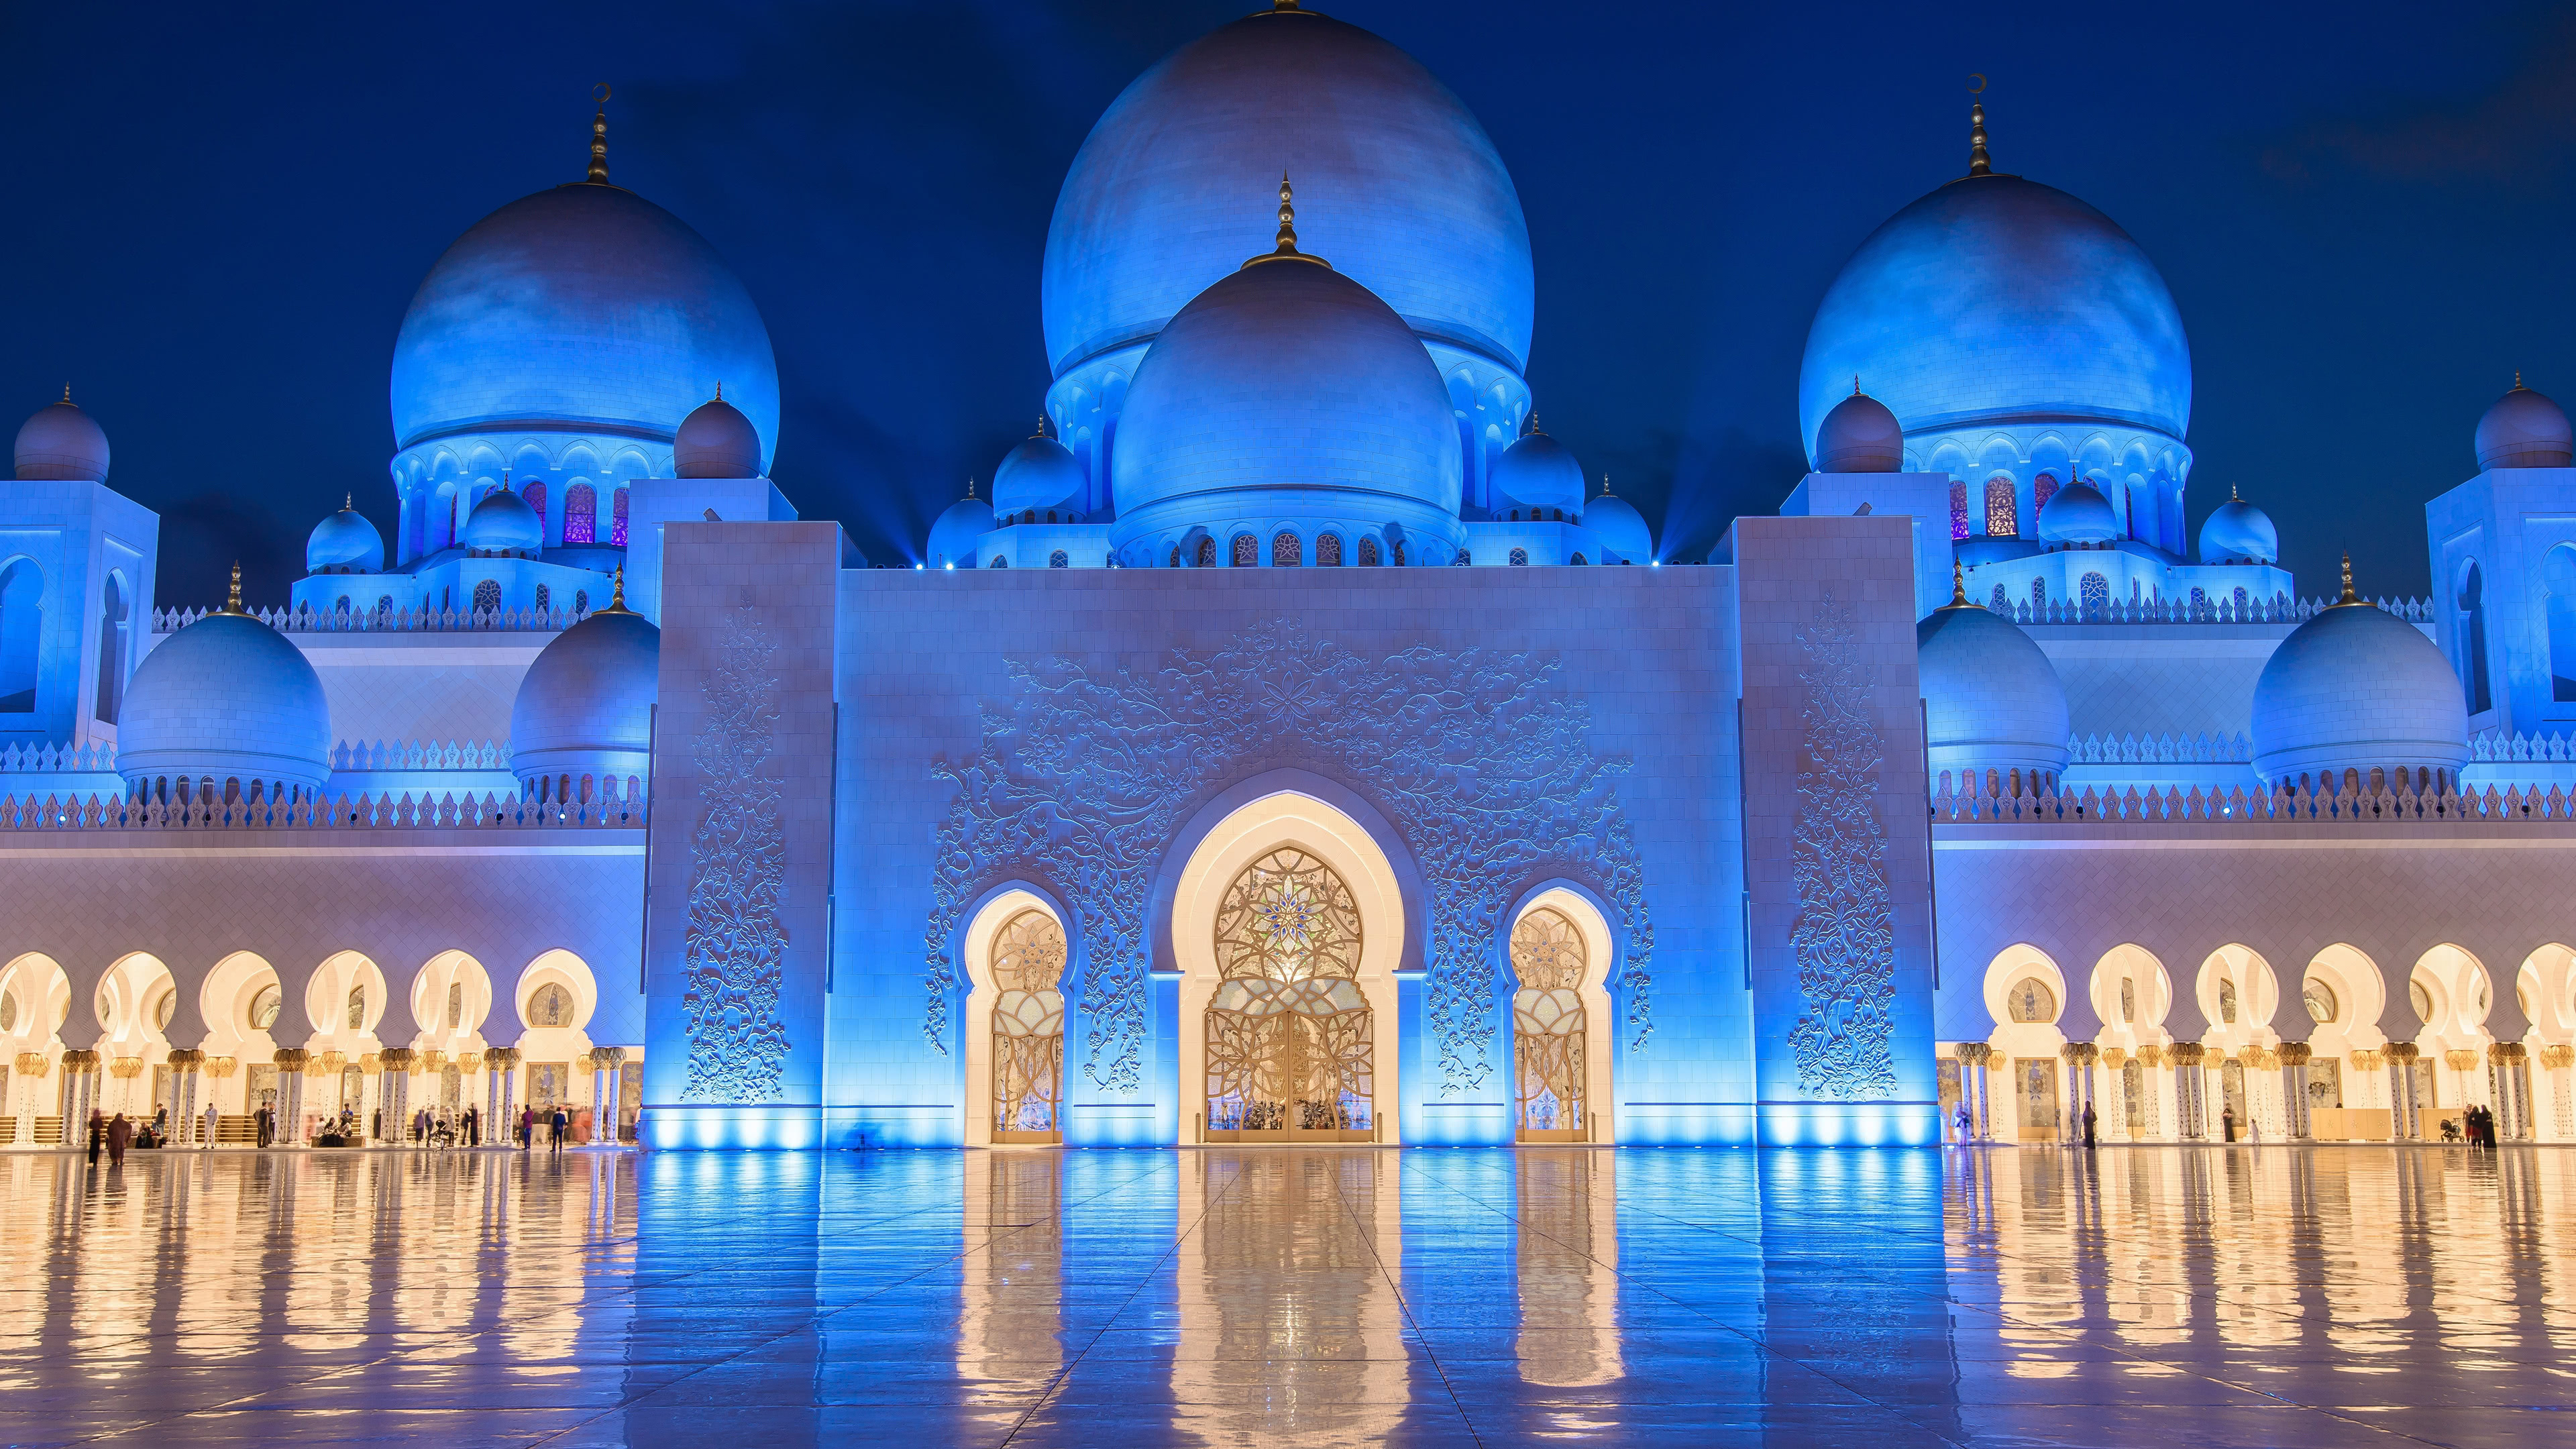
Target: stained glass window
(617, 518)
(1958, 510)
(1287, 551)
(1328, 550)
(1247, 554)
(581, 514)
(2000, 522)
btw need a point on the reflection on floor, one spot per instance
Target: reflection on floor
(2157, 1296)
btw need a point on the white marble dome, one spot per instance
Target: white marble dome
(63, 444)
(1287, 392)
(2357, 688)
(1618, 524)
(1039, 473)
(2079, 514)
(2524, 430)
(227, 698)
(954, 536)
(716, 441)
(585, 707)
(1991, 699)
(503, 523)
(1537, 471)
(346, 542)
(2236, 531)
(1859, 435)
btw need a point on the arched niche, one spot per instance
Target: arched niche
(559, 968)
(1251, 832)
(1602, 957)
(2548, 980)
(347, 979)
(2360, 997)
(2131, 994)
(226, 999)
(2456, 987)
(975, 951)
(40, 993)
(451, 995)
(2237, 993)
(2008, 1003)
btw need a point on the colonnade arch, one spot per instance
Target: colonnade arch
(1542, 927)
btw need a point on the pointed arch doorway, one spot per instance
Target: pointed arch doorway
(1291, 1042)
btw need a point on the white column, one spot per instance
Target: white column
(2512, 1064)
(605, 1065)
(503, 1064)
(397, 1063)
(80, 1094)
(2294, 1088)
(2402, 1124)
(2190, 1082)
(291, 1062)
(186, 1070)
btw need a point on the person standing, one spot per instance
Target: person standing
(560, 1122)
(214, 1119)
(473, 1128)
(120, 1136)
(263, 1133)
(2088, 1124)
(2227, 1122)
(1967, 1121)
(527, 1128)
(97, 1134)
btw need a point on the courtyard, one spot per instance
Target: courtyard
(2152, 1295)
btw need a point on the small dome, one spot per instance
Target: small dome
(62, 443)
(953, 537)
(228, 698)
(2237, 531)
(2523, 430)
(2357, 688)
(503, 523)
(1040, 473)
(1537, 471)
(1991, 699)
(2079, 514)
(1621, 528)
(1859, 436)
(716, 441)
(1287, 391)
(346, 542)
(585, 707)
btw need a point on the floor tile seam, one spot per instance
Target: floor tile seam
(1404, 1305)
(1064, 1374)
(339, 1371)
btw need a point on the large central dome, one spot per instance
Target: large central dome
(584, 308)
(1996, 301)
(1422, 212)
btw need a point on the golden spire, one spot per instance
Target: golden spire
(1605, 485)
(348, 501)
(1959, 586)
(2517, 385)
(599, 138)
(617, 593)
(1855, 384)
(719, 389)
(970, 487)
(232, 599)
(1287, 238)
(1979, 163)
(67, 387)
(2348, 597)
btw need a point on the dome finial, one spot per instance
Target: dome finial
(2517, 385)
(1284, 7)
(617, 593)
(599, 137)
(348, 502)
(232, 598)
(1287, 238)
(1979, 163)
(2231, 494)
(1959, 586)
(719, 389)
(970, 487)
(1855, 384)
(67, 387)
(1605, 485)
(2347, 597)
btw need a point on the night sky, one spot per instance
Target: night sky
(220, 214)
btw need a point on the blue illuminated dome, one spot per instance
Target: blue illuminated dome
(716, 441)
(2523, 430)
(2357, 688)
(1424, 214)
(503, 523)
(1991, 699)
(346, 542)
(1618, 524)
(1287, 393)
(62, 444)
(953, 537)
(580, 309)
(2079, 514)
(585, 707)
(1038, 474)
(1999, 301)
(2238, 532)
(1859, 436)
(1537, 471)
(226, 698)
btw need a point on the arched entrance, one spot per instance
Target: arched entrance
(1291, 1042)
(1028, 1029)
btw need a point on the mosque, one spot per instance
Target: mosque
(1292, 745)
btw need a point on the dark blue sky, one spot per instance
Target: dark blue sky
(220, 214)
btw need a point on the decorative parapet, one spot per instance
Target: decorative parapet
(2278, 609)
(2239, 806)
(2165, 749)
(420, 755)
(374, 621)
(381, 812)
(2501, 749)
(59, 759)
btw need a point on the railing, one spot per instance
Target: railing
(57, 759)
(362, 812)
(374, 621)
(2278, 609)
(2237, 806)
(2518, 749)
(2165, 749)
(420, 755)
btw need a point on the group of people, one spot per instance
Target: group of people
(2477, 1127)
(113, 1135)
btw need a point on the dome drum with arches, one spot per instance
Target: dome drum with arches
(2357, 689)
(1993, 703)
(228, 699)
(585, 707)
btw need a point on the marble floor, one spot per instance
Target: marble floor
(2155, 1296)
